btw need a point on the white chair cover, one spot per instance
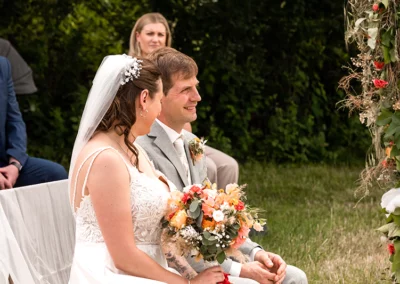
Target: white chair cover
(37, 234)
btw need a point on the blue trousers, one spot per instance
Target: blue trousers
(38, 170)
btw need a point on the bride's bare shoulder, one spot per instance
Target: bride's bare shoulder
(94, 144)
(102, 157)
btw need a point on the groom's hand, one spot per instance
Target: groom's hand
(274, 263)
(263, 257)
(257, 271)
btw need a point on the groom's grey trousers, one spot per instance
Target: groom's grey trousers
(293, 276)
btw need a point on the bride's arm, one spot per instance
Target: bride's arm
(179, 263)
(108, 186)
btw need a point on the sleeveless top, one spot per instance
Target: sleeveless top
(148, 206)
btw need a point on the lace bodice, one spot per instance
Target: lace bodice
(148, 205)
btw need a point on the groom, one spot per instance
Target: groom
(167, 147)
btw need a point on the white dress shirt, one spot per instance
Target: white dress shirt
(173, 136)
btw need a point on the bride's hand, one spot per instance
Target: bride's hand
(209, 276)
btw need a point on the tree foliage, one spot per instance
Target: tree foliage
(268, 71)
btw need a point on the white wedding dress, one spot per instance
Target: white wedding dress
(92, 262)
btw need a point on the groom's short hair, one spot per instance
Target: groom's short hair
(173, 63)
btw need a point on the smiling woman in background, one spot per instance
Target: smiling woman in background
(150, 32)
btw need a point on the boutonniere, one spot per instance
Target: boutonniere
(196, 148)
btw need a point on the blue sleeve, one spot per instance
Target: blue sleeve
(15, 126)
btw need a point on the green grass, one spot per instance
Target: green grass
(315, 222)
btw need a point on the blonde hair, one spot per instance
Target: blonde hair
(149, 18)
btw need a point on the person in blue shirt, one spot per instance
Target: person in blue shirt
(16, 167)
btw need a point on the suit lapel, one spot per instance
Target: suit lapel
(161, 140)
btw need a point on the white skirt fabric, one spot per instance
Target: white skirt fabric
(93, 264)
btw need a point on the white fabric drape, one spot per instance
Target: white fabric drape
(37, 234)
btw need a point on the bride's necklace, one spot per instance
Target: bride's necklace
(129, 155)
(119, 145)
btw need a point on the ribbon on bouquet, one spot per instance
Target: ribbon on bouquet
(226, 280)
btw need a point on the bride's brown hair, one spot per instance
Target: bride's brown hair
(121, 115)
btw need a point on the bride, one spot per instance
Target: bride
(117, 197)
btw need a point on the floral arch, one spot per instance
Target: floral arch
(373, 91)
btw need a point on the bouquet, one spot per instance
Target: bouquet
(210, 223)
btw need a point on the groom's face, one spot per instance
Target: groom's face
(179, 105)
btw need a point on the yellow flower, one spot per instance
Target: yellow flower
(179, 219)
(207, 183)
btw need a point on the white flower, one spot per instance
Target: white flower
(226, 206)
(194, 251)
(231, 187)
(187, 188)
(189, 233)
(391, 200)
(211, 193)
(218, 216)
(258, 227)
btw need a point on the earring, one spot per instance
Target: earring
(141, 113)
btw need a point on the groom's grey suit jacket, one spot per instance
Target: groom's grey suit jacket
(162, 153)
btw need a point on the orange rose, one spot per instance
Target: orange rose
(175, 200)
(179, 219)
(221, 198)
(207, 224)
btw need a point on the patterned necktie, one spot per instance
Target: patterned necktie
(180, 149)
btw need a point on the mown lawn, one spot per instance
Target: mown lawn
(316, 223)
